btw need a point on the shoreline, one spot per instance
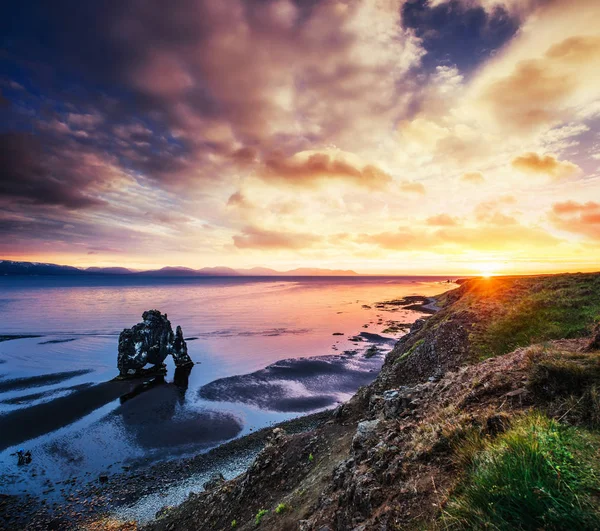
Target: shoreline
(138, 491)
(99, 498)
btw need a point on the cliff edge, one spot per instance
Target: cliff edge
(484, 416)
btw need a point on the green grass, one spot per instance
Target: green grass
(259, 516)
(282, 508)
(567, 383)
(414, 347)
(521, 311)
(539, 474)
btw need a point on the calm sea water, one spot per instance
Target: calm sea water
(240, 325)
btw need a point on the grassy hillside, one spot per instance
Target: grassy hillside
(485, 417)
(517, 312)
(490, 317)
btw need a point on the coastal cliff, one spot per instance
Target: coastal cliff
(484, 416)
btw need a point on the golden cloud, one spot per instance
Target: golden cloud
(481, 238)
(258, 238)
(473, 177)
(538, 90)
(309, 168)
(549, 164)
(579, 218)
(442, 220)
(412, 187)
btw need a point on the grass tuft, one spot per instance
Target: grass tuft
(259, 516)
(282, 508)
(539, 474)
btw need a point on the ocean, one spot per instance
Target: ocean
(264, 348)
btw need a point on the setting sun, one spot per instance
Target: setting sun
(490, 269)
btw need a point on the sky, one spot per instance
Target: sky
(384, 136)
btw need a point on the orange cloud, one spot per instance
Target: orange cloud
(237, 199)
(579, 218)
(482, 238)
(441, 220)
(547, 164)
(489, 212)
(257, 238)
(412, 187)
(307, 170)
(474, 177)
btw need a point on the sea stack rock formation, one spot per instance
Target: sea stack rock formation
(150, 342)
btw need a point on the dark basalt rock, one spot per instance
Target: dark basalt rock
(150, 342)
(180, 353)
(215, 481)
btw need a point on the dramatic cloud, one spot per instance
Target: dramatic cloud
(237, 132)
(49, 174)
(545, 164)
(525, 91)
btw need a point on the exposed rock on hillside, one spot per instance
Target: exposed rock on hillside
(150, 342)
(394, 455)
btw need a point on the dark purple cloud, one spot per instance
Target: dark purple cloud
(38, 171)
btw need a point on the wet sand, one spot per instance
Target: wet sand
(149, 415)
(16, 384)
(296, 385)
(29, 423)
(10, 337)
(138, 495)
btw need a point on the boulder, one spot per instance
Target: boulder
(364, 431)
(150, 342)
(215, 481)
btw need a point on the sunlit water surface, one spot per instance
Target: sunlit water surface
(241, 325)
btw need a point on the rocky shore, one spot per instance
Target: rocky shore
(498, 355)
(147, 489)
(398, 455)
(134, 496)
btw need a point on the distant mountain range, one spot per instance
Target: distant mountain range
(10, 267)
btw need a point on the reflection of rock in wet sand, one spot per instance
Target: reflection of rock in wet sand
(377, 339)
(151, 415)
(300, 385)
